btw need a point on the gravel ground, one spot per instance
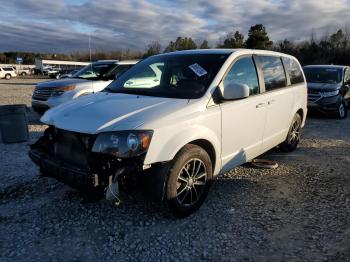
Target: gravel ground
(297, 212)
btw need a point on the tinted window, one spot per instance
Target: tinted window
(120, 69)
(94, 71)
(244, 72)
(274, 74)
(329, 75)
(293, 70)
(8, 69)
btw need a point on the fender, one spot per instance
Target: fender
(165, 150)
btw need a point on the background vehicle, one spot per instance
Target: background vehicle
(90, 79)
(328, 88)
(23, 71)
(68, 73)
(7, 72)
(208, 112)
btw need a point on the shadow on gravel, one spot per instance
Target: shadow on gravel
(319, 115)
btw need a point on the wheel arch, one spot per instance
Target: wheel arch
(208, 147)
(300, 111)
(165, 150)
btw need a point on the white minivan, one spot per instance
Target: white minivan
(206, 112)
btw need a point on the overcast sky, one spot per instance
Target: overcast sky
(64, 25)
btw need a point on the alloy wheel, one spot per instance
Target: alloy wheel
(191, 182)
(295, 132)
(341, 110)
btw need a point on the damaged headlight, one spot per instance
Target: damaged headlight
(123, 143)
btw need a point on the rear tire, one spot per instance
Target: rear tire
(23, 74)
(342, 110)
(293, 137)
(188, 180)
(8, 77)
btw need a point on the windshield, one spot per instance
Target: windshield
(170, 75)
(323, 75)
(94, 71)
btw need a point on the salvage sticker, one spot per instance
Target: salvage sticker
(198, 70)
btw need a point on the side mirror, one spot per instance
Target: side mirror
(234, 90)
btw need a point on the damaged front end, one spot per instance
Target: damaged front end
(91, 163)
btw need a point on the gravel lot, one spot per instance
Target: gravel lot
(298, 212)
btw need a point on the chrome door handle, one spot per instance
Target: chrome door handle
(271, 101)
(260, 105)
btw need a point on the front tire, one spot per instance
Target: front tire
(293, 137)
(189, 180)
(342, 111)
(8, 77)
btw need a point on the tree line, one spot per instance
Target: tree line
(332, 48)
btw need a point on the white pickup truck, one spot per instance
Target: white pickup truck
(7, 72)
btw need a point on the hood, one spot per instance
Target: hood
(103, 112)
(323, 86)
(61, 82)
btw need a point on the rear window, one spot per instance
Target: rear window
(293, 70)
(273, 71)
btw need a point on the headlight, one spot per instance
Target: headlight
(60, 90)
(123, 143)
(331, 93)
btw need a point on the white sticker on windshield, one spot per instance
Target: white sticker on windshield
(198, 70)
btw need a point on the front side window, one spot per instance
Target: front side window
(328, 75)
(170, 75)
(244, 72)
(95, 71)
(120, 69)
(273, 71)
(293, 70)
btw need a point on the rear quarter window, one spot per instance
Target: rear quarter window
(273, 70)
(293, 70)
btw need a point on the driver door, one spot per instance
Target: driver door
(243, 121)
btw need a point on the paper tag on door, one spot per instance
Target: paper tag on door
(198, 70)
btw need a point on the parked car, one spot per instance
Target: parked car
(7, 72)
(90, 79)
(24, 71)
(208, 112)
(328, 88)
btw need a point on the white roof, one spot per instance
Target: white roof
(60, 62)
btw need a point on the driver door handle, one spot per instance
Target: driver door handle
(271, 101)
